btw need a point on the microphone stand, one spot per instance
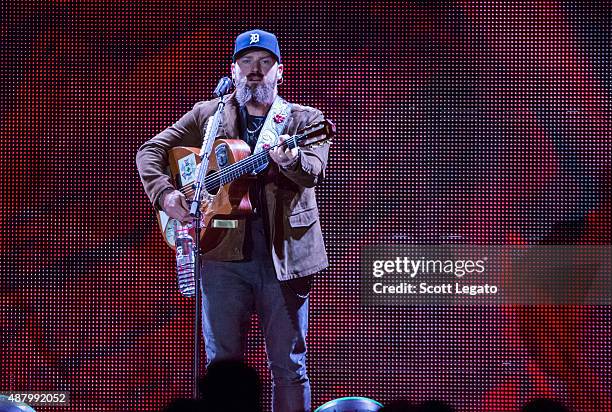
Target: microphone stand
(198, 306)
(220, 90)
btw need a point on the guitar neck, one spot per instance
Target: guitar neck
(245, 166)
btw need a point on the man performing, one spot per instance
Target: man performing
(264, 265)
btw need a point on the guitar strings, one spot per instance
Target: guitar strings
(239, 168)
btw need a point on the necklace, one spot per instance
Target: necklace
(251, 132)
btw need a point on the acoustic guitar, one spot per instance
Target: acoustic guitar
(228, 177)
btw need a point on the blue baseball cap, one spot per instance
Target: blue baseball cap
(256, 39)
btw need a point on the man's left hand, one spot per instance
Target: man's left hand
(284, 156)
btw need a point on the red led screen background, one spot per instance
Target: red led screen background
(467, 122)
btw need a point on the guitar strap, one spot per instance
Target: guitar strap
(273, 126)
(206, 133)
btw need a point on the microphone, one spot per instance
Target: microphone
(222, 87)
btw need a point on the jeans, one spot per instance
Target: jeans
(232, 291)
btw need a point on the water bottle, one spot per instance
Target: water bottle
(185, 259)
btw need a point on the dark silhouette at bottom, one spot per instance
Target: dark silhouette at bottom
(228, 386)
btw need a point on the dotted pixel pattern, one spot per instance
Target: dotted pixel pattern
(469, 122)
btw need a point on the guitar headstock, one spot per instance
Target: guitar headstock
(317, 134)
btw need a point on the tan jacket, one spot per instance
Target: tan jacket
(295, 232)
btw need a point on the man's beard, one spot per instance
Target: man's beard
(260, 93)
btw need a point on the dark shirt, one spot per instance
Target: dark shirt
(253, 128)
(250, 127)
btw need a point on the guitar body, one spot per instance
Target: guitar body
(224, 203)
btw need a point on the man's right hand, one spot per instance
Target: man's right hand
(175, 205)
